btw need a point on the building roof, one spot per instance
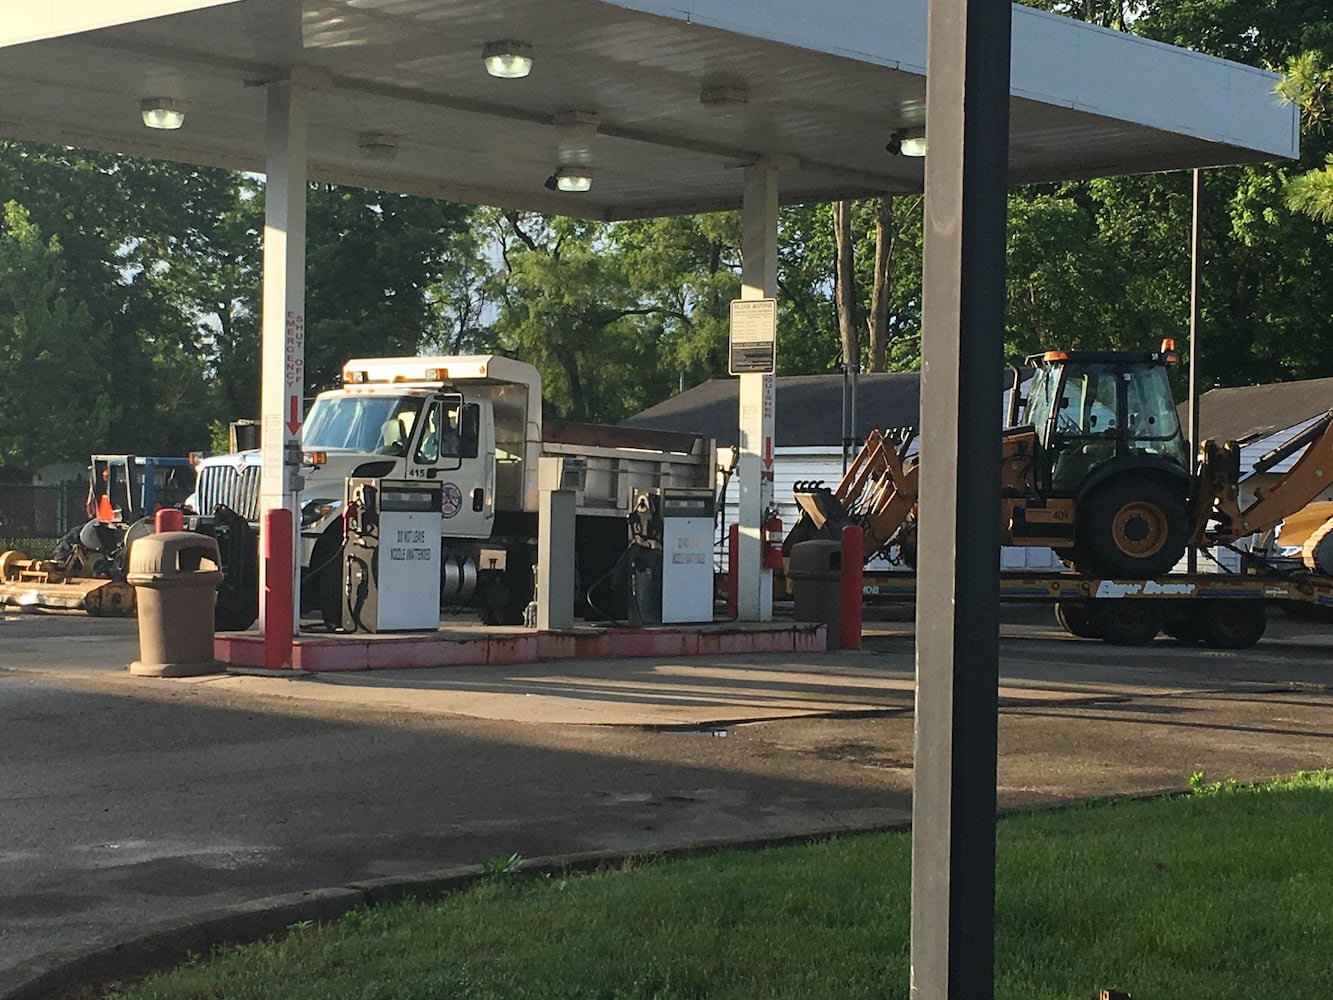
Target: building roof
(663, 99)
(808, 408)
(1247, 412)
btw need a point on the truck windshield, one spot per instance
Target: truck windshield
(380, 425)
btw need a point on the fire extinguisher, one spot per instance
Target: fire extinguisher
(772, 541)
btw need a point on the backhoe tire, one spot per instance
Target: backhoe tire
(1077, 618)
(1131, 527)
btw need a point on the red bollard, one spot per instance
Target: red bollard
(850, 588)
(278, 554)
(733, 570)
(168, 519)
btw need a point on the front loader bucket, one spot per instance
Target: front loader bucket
(822, 515)
(99, 598)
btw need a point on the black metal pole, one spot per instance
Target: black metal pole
(957, 646)
(1192, 563)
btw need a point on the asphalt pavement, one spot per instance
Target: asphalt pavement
(131, 800)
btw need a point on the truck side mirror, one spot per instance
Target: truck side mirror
(469, 430)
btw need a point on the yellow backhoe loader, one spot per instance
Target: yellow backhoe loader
(1095, 466)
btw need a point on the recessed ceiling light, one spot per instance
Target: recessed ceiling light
(908, 142)
(162, 112)
(508, 60)
(572, 179)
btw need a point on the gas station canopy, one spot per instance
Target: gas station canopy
(659, 102)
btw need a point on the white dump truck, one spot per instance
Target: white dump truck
(472, 424)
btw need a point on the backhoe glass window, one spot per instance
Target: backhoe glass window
(1041, 390)
(1152, 425)
(372, 424)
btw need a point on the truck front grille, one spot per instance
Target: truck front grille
(236, 488)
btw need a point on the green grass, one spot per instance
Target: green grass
(1225, 893)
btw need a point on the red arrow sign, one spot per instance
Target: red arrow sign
(768, 453)
(293, 422)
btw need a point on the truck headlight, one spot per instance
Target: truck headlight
(314, 511)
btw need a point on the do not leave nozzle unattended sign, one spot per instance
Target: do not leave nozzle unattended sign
(754, 334)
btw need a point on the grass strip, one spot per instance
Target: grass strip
(1221, 894)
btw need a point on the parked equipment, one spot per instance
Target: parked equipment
(1095, 466)
(87, 570)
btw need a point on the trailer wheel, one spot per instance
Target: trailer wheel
(1076, 618)
(1183, 622)
(1133, 526)
(1130, 622)
(1233, 624)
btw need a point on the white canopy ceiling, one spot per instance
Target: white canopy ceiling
(816, 88)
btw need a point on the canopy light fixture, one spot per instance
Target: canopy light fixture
(908, 142)
(508, 60)
(377, 145)
(572, 179)
(162, 112)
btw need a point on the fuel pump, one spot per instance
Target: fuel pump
(671, 559)
(391, 556)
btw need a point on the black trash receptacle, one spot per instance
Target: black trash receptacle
(815, 570)
(175, 575)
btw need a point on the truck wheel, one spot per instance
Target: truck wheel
(1130, 622)
(1233, 624)
(1076, 618)
(1132, 526)
(503, 597)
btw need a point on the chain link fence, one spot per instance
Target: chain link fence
(34, 517)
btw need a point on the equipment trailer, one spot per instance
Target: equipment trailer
(1223, 611)
(1095, 466)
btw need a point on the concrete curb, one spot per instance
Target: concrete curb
(75, 972)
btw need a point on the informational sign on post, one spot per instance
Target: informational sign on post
(754, 335)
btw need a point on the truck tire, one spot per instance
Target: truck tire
(1130, 622)
(1233, 624)
(503, 598)
(1133, 526)
(1076, 618)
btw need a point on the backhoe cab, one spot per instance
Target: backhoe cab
(1095, 464)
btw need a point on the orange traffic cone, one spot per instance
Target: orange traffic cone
(104, 511)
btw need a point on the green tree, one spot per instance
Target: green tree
(1309, 84)
(52, 356)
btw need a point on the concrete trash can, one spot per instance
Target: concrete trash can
(815, 570)
(175, 576)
